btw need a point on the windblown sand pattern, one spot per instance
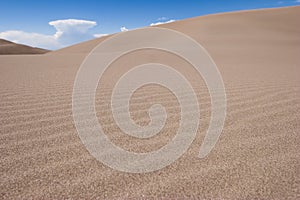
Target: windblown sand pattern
(257, 155)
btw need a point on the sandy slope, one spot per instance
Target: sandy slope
(8, 48)
(257, 156)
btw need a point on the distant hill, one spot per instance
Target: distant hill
(9, 48)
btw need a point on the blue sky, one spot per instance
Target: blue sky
(19, 19)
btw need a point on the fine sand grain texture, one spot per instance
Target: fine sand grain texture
(256, 157)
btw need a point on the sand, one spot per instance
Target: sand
(11, 48)
(257, 155)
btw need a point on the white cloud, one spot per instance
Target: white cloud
(68, 32)
(297, 1)
(158, 23)
(123, 29)
(99, 35)
(72, 24)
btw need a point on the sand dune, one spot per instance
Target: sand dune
(257, 155)
(8, 48)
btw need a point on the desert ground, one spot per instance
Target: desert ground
(256, 157)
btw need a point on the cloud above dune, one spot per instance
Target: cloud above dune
(162, 22)
(68, 32)
(123, 29)
(99, 35)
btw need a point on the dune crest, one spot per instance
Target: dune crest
(11, 48)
